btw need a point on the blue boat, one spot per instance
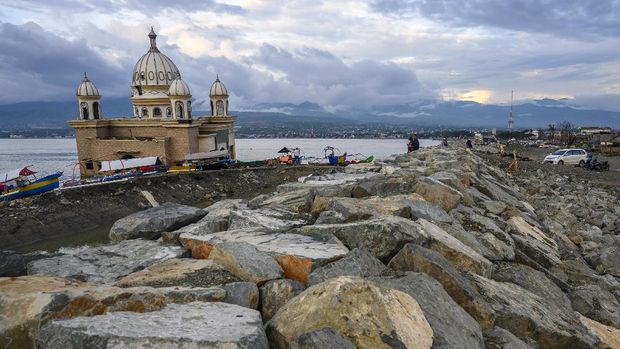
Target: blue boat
(22, 182)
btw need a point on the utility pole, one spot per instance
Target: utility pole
(511, 120)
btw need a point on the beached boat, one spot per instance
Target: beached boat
(23, 182)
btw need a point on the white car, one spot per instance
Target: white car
(567, 157)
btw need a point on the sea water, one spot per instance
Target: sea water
(50, 155)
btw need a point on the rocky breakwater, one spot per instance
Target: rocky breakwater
(438, 249)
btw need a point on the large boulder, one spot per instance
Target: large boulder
(245, 294)
(382, 237)
(297, 254)
(246, 262)
(452, 327)
(186, 272)
(16, 264)
(353, 209)
(429, 211)
(194, 325)
(299, 200)
(610, 261)
(149, 224)
(267, 219)
(28, 302)
(438, 193)
(368, 315)
(533, 242)
(597, 304)
(532, 280)
(419, 259)
(275, 293)
(528, 315)
(357, 262)
(107, 263)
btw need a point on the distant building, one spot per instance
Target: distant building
(162, 124)
(587, 131)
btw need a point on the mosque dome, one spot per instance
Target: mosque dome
(218, 89)
(178, 87)
(87, 88)
(154, 68)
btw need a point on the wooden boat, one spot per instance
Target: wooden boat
(23, 182)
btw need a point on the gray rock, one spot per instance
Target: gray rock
(382, 185)
(382, 237)
(330, 217)
(12, 263)
(15, 264)
(452, 327)
(244, 294)
(246, 261)
(299, 200)
(528, 315)
(322, 339)
(149, 224)
(357, 262)
(275, 293)
(597, 304)
(194, 325)
(105, 264)
(610, 261)
(428, 211)
(531, 280)
(495, 207)
(438, 193)
(499, 338)
(419, 259)
(267, 219)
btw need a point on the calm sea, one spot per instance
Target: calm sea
(50, 155)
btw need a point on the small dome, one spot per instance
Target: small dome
(154, 68)
(87, 88)
(178, 87)
(218, 89)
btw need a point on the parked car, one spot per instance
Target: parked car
(567, 157)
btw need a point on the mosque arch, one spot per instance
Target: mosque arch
(96, 110)
(179, 107)
(84, 109)
(156, 112)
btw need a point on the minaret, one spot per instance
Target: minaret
(153, 38)
(219, 98)
(89, 100)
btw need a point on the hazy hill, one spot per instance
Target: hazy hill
(538, 113)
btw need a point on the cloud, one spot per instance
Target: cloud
(575, 18)
(35, 64)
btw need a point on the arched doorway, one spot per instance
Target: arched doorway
(84, 107)
(179, 110)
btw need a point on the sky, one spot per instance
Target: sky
(343, 55)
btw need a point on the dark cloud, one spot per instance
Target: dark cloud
(576, 18)
(45, 65)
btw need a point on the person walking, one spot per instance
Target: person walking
(468, 143)
(297, 156)
(445, 142)
(414, 143)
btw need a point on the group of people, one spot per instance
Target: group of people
(414, 143)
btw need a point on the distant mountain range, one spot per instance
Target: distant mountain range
(426, 113)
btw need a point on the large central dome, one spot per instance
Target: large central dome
(154, 68)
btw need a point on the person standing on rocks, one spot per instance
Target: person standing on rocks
(445, 142)
(414, 143)
(468, 143)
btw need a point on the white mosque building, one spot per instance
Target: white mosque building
(162, 123)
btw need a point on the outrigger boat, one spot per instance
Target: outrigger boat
(23, 182)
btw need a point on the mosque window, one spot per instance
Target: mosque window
(168, 112)
(151, 75)
(157, 113)
(136, 112)
(179, 107)
(219, 107)
(142, 76)
(96, 110)
(161, 75)
(84, 108)
(145, 112)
